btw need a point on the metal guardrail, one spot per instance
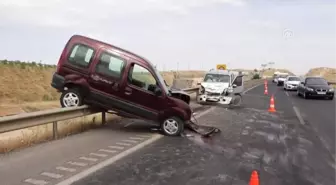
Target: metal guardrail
(26, 120)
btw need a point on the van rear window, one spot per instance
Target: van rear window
(81, 55)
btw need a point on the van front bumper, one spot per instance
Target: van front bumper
(220, 99)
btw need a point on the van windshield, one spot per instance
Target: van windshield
(217, 78)
(161, 81)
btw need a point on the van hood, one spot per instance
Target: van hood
(215, 87)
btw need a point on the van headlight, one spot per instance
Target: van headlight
(331, 90)
(230, 89)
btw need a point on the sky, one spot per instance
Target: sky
(178, 34)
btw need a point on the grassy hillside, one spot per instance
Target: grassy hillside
(325, 72)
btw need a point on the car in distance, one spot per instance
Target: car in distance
(291, 83)
(315, 87)
(281, 79)
(105, 76)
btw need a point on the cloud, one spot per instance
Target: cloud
(66, 13)
(265, 24)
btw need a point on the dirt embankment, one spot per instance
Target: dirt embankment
(325, 72)
(25, 87)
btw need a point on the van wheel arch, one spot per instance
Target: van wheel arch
(80, 88)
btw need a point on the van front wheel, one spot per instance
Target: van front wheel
(71, 98)
(172, 126)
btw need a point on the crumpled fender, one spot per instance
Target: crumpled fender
(180, 94)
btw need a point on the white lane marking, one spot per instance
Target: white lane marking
(98, 155)
(137, 138)
(110, 161)
(108, 151)
(287, 94)
(65, 169)
(247, 90)
(88, 158)
(52, 175)
(128, 124)
(144, 135)
(36, 182)
(298, 115)
(123, 144)
(116, 147)
(77, 163)
(324, 142)
(130, 141)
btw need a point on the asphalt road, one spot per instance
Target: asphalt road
(282, 149)
(278, 145)
(56, 161)
(320, 114)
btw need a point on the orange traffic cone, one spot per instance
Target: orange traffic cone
(266, 91)
(272, 106)
(254, 180)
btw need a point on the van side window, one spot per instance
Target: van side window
(110, 65)
(81, 55)
(142, 78)
(239, 81)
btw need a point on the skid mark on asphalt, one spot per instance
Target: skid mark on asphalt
(52, 176)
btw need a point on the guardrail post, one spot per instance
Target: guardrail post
(55, 130)
(103, 118)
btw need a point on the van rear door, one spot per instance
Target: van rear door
(78, 59)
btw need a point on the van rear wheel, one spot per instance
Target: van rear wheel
(71, 98)
(172, 126)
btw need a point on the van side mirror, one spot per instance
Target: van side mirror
(157, 91)
(302, 83)
(234, 85)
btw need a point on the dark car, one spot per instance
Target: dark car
(315, 87)
(99, 74)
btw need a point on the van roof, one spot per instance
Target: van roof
(98, 44)
(224, 72)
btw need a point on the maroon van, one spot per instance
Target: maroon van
(99, 74)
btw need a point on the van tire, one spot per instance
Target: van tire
(74, 97)
(172, 126)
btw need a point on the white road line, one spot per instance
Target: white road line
(65, 169)
(52, 175)
(123, 144)
(128, 124)
(88, 158)
(77, 164)
(109, 161)
(116, 147)
(113, 159)
(247, 90)
(137, 138)
(130, 141)
(144, 135)
(36, 182)
(298, 115)
(99, 155)
(108, 151)
(287, 94)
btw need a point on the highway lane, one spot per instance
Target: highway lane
(284, 151)
(55, 161)
(320, 114)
